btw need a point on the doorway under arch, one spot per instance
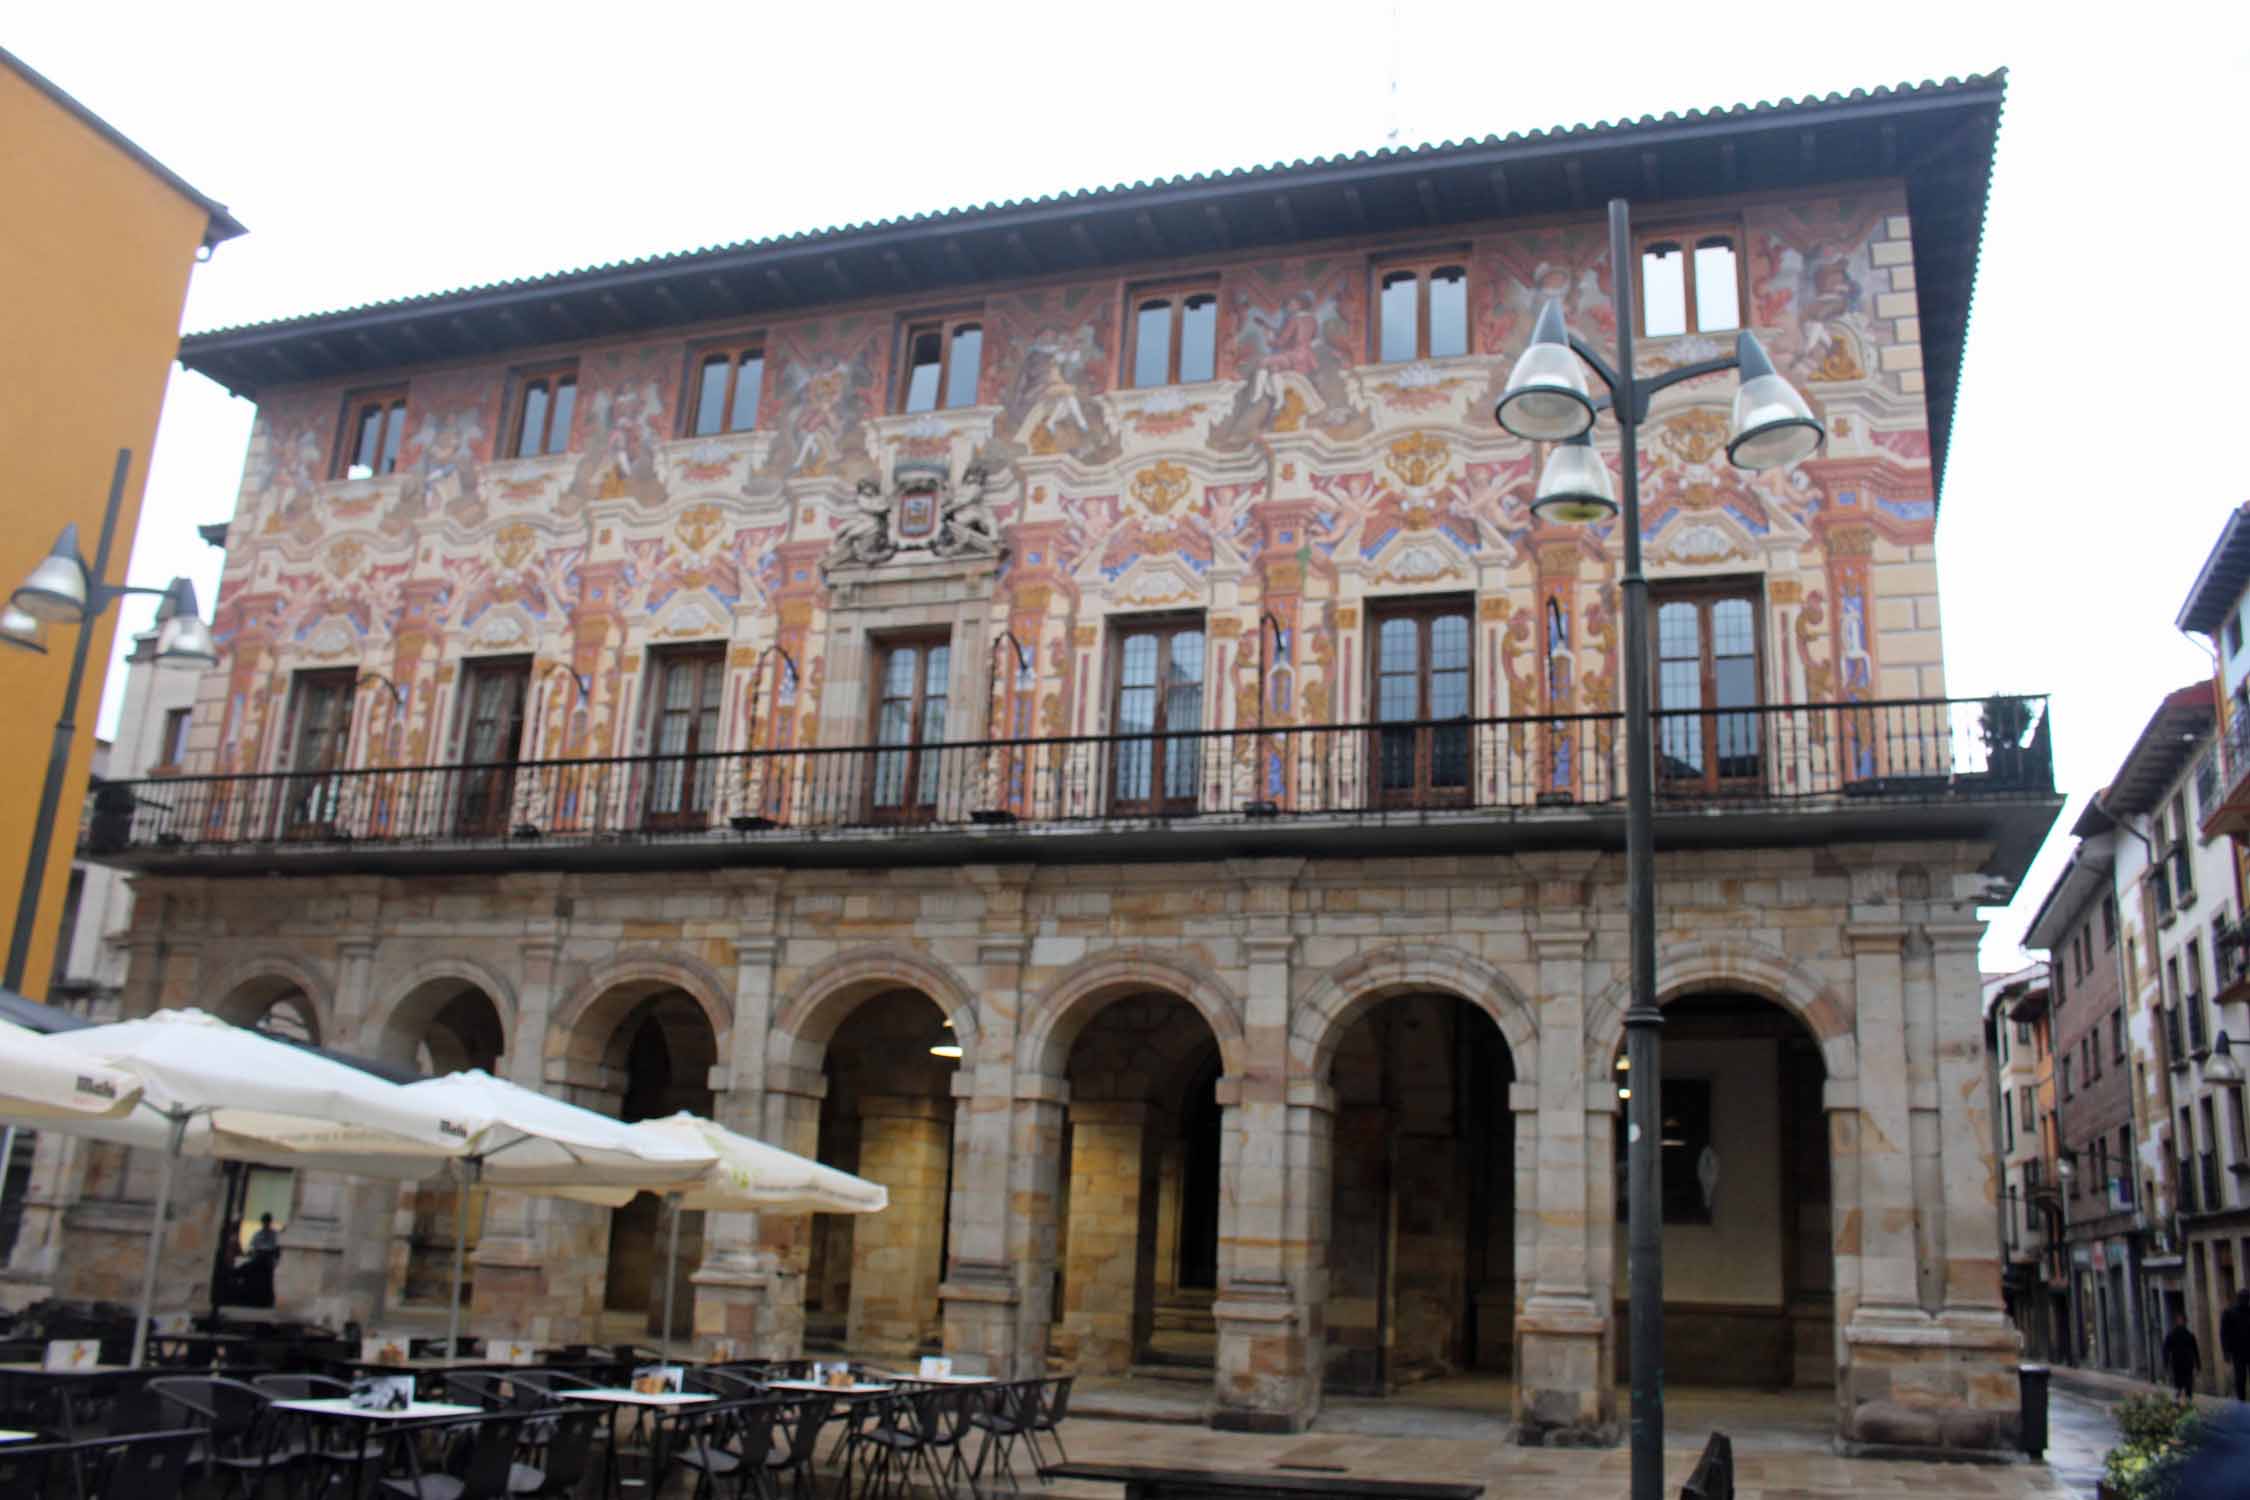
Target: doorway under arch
(1421, 1244)
(662, 1049)
(1749, 1255)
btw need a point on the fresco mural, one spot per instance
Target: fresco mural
(1281, 497)
(1047, 361)
(827, 382)
(451, 421)
(1297, 328)
(625, 412)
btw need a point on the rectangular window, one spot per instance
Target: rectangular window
(1175, 336)
(2023, 1106)
(727, 382)
(2117, 1034)
(683, 734)
(318, 741)
(373, 427)
(2023, 1033)
(2065, 1067)
(1157, 672)
(2109, 922)
(911, 693)
(1691, 281)
(2183, 870)
(1421, 310)
(942, 358)
(2191, 993)
(1707, 662)
(172, 753)
(492, 697)
(1420, 662)
(546, 400)
(2008, 1130)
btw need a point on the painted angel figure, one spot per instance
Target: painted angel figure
(968, 528)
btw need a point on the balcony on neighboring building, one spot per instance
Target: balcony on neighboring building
(2222, 782)
(1780, 775)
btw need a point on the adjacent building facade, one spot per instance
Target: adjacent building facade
(1065, 710)
(2018, 1048)
(101, 240)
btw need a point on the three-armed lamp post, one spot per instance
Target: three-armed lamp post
(62, 590)
(1547, 401)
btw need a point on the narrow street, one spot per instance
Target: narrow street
(2080, 1429)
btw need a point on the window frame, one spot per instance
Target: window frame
(1423, 792)
(555, 375)
(948, 327)
(1422, 266)
(1691, 235)
(312, 793)
(1157, 742)
(1704, 593)
(1178, 294)
(693, 800)
(735, 350)
(487, 790)
(391, 399)
(911, 807)
(172, 745)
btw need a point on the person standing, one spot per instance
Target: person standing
(2234, 1340)
(2182, 1357)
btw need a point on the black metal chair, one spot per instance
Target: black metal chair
(25, 1468)
(798, 1425)
(143, 1465)
(725, 1384)
(904, 1430)
(480, 1455)
(1005, 1419)
(244, 1441)
(563, 1457)
(724, 1445)
(327, 1447)
(1050, 1403)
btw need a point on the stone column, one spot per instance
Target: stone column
(1970, 1173)
(792, 1121)
(1888, 1271)
(896, 1265)
(993, 1321)
(1274, 1164)
(360, 1286)
(1563, 1393)
(1035, 1135)
(740, 1274)
(1103, 1282)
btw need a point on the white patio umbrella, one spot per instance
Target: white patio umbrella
(503, 1135)
(37, 1086)
(749, 1176)
(213, 1089)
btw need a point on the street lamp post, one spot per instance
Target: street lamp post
(62, 590)
(1547, 401)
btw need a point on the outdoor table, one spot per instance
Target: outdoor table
(426, 1371)
(72, 1385)
(16, 1437)
(905, 1379)
(340, 1409)
(856, 1388)
(640, 1403)
(185, 1345)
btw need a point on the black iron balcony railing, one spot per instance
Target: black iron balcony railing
(1904, 751)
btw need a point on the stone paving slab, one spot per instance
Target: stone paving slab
(1512, 1473)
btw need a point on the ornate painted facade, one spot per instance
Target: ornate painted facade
(1207, 971)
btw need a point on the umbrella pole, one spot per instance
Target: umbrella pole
(467, 1174)
(156, 1239)
(671, 1269)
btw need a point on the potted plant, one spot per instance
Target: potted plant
(2159, 1434)
(2002, 725)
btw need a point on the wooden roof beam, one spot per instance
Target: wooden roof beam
(1218, 223)
(1575, 176)
(1501, 198)
(1022, 249)
(1652, 178)
(1426, 191)
(1151, 236)
(1358, 209)
(1287, 215)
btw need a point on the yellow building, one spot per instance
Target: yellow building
(95, 264)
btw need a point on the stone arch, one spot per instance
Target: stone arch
(809, 1015)
(586, 1024)
(1326, 1008)
(396, 1027)
(1054, 1020)
(244, 991)
(1704, 965)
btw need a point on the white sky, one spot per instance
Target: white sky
(405, 147)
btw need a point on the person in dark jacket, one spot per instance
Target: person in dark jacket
(2183, 1356)
(2234, 1339)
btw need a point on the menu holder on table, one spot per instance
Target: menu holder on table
(383, 1349)
(511, 1352)
(72, 1354)
(935, 1367)
(658, 1380)
(382, 1393)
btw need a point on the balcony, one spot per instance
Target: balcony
(2222, 783)
(1779, 775)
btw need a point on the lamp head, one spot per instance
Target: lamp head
(56, 590)
(183, 637)
(1546, 400)
(21, 631)
(1773, 427)
(2222, 1067)
(1574, 485)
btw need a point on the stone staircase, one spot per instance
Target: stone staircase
(1184, 1341)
